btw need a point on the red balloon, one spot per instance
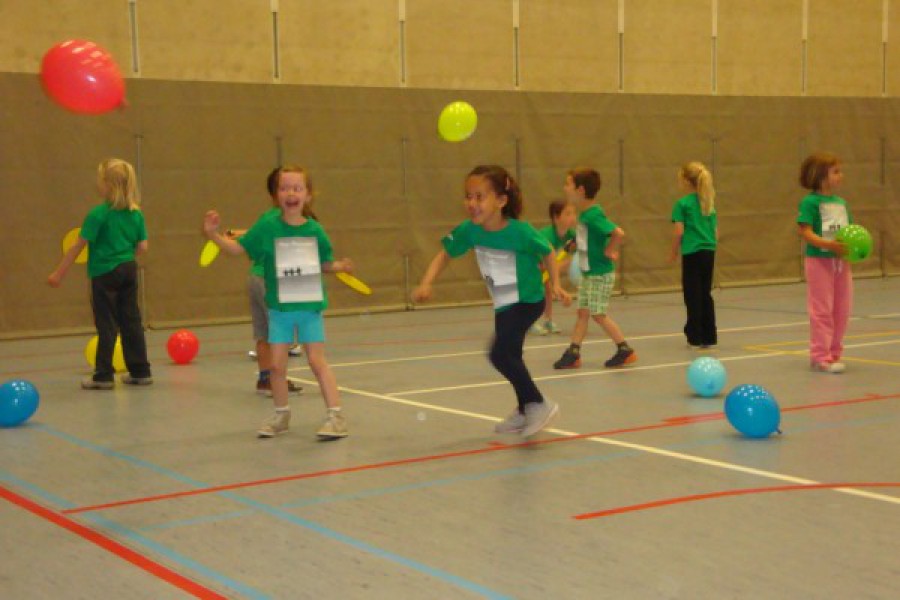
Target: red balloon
(82, 77)
(182, 346)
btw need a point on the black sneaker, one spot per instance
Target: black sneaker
(623, 356)
(571, 359)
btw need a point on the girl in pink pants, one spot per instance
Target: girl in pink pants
(829, 283)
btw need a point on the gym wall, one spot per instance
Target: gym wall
(221, 91)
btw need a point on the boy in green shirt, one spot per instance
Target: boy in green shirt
(598, 240)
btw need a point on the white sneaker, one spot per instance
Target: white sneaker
(826, 367)
(277, 423)
(295, 350)
(538, 329)
(538, 415)
(252, 354)
(552, 327)
(514, 423)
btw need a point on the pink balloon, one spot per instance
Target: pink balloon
(82, 77)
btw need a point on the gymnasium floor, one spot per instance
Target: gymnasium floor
(165, 492)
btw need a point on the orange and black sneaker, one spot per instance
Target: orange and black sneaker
(623, 356)
(571, 359)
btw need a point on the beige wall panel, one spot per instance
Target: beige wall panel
(351, 42)
(568, 46)
(668, 47)
(29, 29)
(464, 44)
(845, 50)
(206, 40)
(759, 49)
(47, 183)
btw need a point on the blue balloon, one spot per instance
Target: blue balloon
(575, 270)
(18, 401)
(706, 376)
(752, 410)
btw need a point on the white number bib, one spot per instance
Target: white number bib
(298, 269)
(498, 268)
(834, 217)
(581, 242)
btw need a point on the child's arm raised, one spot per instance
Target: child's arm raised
(211, 229)
(437, 265)
(55, 278)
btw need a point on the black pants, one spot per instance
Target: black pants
(696, 285)
(510, 328)
(114, 300)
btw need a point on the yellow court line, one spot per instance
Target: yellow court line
(846, 337)
(769, 348)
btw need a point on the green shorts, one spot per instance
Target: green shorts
(594, 292)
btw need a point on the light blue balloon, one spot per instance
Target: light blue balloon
(706, 376)
(18, 401)
(574, 270)
(752, 410)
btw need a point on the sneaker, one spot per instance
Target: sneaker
(827, 367)
(252, 354)
(571, 359)
(552, 327)
(88, 383)
(514, 423)
(333, 427)
(621, 357)
(538, 329)
(136, 380)
(265, 387)
(277, 423)
(295, 350)
(538, 415)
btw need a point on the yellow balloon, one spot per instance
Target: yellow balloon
(457, 121)
(90, 353)
(69, 241)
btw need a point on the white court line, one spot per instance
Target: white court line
(586, 373)
(654, 336)
(631, 446)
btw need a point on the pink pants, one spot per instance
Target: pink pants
(829, 300)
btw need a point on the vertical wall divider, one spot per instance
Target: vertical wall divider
(135, 46)
(276, 43)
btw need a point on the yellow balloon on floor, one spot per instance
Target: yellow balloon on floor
(90, 353)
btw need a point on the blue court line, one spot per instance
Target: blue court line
(487, 475)
(133, 536)
(283, 515)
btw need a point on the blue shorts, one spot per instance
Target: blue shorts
(309, 326)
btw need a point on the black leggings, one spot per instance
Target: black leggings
(510, 328)
(114, 301)
(696, 284)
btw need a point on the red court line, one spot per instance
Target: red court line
(672, 422)
(139, 560)
(741, 492)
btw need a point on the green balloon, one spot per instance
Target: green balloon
(858, 242)
(457, 121)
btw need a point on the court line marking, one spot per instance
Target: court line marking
(726, 493)
(144, 563)
(653, 336)
(564, 436)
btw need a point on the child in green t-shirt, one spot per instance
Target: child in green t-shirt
(561, 235)
(509, 252)
(695, 235)
(829, 281)
(115, 233)
(294, 251)
(598, 240)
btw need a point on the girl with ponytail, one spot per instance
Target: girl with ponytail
(695, 236)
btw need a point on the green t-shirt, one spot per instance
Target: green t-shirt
(558, 243)
(292, 257)
(826, 215)
(509, 259)
(112, 236)
(699, 230)
(256, 267)
(592, 234)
